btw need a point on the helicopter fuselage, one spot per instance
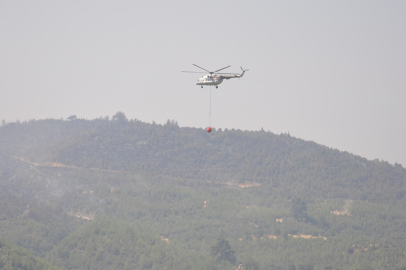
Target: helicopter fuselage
(215, 79)
(210, 80)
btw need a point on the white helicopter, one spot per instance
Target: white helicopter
(213, 78)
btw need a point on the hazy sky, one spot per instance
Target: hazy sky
(333, 72)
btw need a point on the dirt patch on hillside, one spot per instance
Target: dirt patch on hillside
(165, 239)
(307, 236)
(81, 215)
(249, 184)
(245, 185)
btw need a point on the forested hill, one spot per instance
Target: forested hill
(16, 258)
(123, 194)
(288, 165)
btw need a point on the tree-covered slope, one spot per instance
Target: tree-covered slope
(281, 202)
(13, 257)
(108, 244)
(292, 166)
(32, 225)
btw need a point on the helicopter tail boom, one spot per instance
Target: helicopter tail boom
(243, 71)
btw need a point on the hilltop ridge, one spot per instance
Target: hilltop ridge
(223, 156)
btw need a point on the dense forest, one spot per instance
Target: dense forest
(13, 257)
(123, 194)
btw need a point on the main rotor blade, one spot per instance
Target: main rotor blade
(194, 72)
(229, 73)
(221, 69)
(203, 68)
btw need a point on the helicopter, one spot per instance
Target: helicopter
(214, 77)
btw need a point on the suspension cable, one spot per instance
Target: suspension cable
(210, 109)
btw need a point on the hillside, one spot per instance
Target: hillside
(16, 258)
(280, 201)
(291, 165)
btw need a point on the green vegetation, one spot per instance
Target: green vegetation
(122, 194)
(15, 258)
(106, 244)
(298, 208)
(222, 251)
